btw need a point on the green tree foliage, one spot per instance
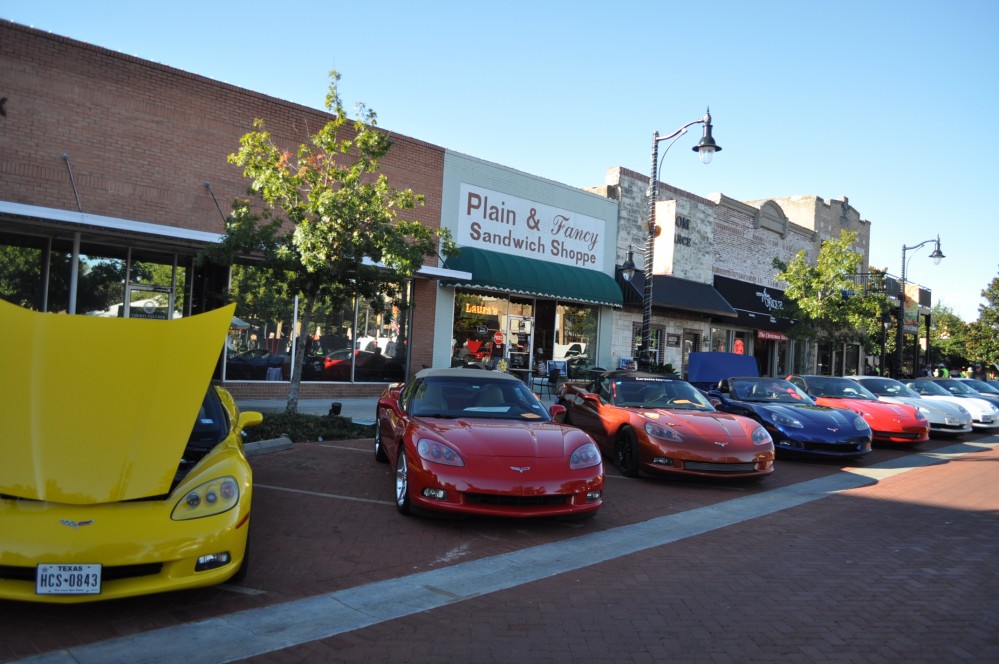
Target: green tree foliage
(949, 337)
(328, 208)
(983, 334)
(828, 300)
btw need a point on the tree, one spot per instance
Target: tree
(332, 210)
(826, 298)
(948, 335)
(983, 334)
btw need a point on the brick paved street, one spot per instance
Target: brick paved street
(892, 560)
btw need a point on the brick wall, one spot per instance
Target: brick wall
(142, 138)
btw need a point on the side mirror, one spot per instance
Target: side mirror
(557, 412)
(592, 398)
(390, 402)
(249, 418)
(716, 398)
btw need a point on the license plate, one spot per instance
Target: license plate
(987, 419)
(55, 579)
(952, 422)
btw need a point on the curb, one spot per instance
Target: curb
(265, 446)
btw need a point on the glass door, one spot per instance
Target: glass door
(519, 345)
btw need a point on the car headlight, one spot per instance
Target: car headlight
(431, 450)
(663, 432)
(782, 420)
(213, 497)
(584, 456)
(861, 424)
(761, 437)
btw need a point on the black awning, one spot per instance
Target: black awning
(527, 276)
(669, 292)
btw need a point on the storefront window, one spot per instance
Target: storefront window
(479, 323)
(780, 368)
(576, 337)
(523, 332)
(34, 277)
(656, 335)
(742, 343)
(348, 341)
(719, 340)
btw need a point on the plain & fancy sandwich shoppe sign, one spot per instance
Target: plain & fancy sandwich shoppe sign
(503, 223)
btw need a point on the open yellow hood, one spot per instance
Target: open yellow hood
(97, 410)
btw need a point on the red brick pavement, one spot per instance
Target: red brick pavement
(900, 571)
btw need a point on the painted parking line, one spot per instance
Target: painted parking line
(322, 494)
(260, 631)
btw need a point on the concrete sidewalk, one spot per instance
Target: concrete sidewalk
(360, 410)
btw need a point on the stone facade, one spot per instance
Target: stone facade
(704, 237)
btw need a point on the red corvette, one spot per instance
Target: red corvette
(646, 422)
(890, 422)
(480, 442)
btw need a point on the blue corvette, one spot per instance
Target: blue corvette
(798, 426)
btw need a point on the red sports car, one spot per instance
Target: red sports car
(646, 422)
(890, 422)
(480, 442)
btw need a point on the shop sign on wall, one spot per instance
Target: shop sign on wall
(500, 222)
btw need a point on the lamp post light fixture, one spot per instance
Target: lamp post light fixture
(628, 269)
(936, 257)
(706, 149)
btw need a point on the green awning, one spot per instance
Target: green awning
(526, 276)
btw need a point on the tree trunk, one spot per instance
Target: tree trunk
(298, 359)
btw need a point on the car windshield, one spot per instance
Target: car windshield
(928, 388)
(638, 392)
(770, 390)
(476, 398)
(980, 386)
(888, 387)
(839, 388)
(957, 387)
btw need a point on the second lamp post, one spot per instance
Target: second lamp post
(706, 149)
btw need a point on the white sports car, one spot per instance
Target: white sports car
(946, 418)
(984, 414)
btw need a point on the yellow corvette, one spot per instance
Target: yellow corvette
(122, 472)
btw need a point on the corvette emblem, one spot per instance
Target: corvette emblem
(833, 429)
(520, 469)
(76, 524)
(718, 442)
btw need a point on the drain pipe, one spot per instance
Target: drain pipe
(72, 181)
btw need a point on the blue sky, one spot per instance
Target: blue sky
(892, 104)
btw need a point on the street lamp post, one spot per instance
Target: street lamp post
(705, 149)
(885, 323)
(936, 257)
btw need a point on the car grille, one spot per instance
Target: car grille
(907, 434)
(719, 467)
(516, 501)
(109, 573)
(839, 448)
